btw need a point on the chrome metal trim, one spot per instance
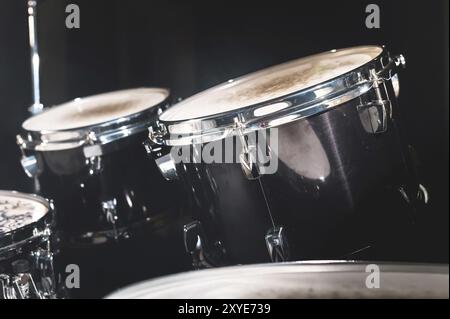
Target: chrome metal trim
(37, 106)
(302, 104)
(203, 253)
(109, 208)
(39, 231)
(277, 244)
(247, 156)
(30, 166)
(374, 114)
(423, 195)
(163, 159)
(99, 134)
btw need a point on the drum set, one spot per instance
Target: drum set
(301, 161)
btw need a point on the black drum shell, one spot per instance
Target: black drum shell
(359, 204)
(126, 175)
(150, 216)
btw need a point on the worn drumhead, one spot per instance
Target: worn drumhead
(299, 280)
(271, 83)
(97, 109)
(19, 210)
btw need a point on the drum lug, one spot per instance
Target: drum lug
(30, 165)
(248, 155)
(163, 159)
(93, 153)
(375, 114)
(43, 262)
(277, 244)
(110, 210)
(157, 133)
(204, 255)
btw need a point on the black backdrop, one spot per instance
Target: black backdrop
(189, 46)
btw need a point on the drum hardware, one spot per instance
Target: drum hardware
(93, 153)
(277, 245)
(417, 202)
(248, 155)
(94, 165)
(30, 164)
(400, 60)
(422, 194)
(23, 282)
(397, 61)
(7, 289)
(157, 133)
(110, 210)
(162, 157)
(329, 165)
(404, 195)
(37, 106)
(203, 253)
(44, 261)
(396, 85)
(387, 70)
(26, 257)
(24, 287)
(276, 241)
(375, 113)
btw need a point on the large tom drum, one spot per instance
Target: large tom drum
(303, 160)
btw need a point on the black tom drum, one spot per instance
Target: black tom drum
(303, 160)
(115, 210)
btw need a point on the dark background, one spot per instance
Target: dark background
(189, 46)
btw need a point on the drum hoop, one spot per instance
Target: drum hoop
(32, 232)
(302, 104)
(97, 134)
(338, 267)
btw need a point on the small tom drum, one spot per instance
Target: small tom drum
(303, 160)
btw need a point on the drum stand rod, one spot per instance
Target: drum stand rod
(37, 106)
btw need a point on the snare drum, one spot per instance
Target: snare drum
(115, 210)
(317, 169)
(26, 261)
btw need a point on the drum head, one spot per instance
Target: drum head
(272, 83)
(299, 280)
(97, 109)
(17, 211)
